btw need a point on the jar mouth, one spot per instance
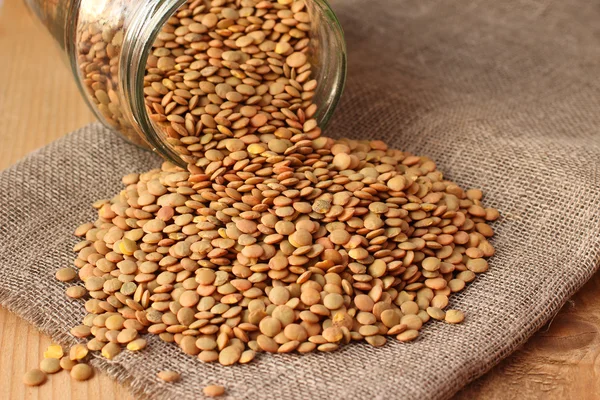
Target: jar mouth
(147, 24)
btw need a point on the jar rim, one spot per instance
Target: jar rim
(147, 23)
(324, 114)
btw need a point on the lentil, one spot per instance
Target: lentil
(34, 377)
(213, 391)
(54, 351)
(50, 365)
(66, 274)
(454, 316)
(169, 376)
(78, 352)
(81, 372)
(67, 364)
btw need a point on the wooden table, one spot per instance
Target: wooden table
(39, 102)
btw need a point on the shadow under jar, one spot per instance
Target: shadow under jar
(114, 48)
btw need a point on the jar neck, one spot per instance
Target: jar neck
(144, 27)
(59, 17)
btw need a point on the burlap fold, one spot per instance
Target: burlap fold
(504, 95)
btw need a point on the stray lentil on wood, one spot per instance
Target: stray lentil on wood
(81, 372)
(50, 365)
(34, 377)
(54, 351)
(67, 364)
(275, 239)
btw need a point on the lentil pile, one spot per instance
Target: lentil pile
(275, 239)
(291, 259)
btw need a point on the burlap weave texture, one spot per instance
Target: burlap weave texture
(504, 95)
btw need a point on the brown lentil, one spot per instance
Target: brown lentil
(213, 390)
(169, 376)
(67, 364)
(408, 335)
(81, 372)
(50, 365)
(66, 274)
(34, 377)
(454, 316)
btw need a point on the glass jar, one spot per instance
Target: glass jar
(108, 43)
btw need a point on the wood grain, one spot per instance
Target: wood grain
(561, 361)
(39, 102)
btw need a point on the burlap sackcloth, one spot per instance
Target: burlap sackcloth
(505, 95)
